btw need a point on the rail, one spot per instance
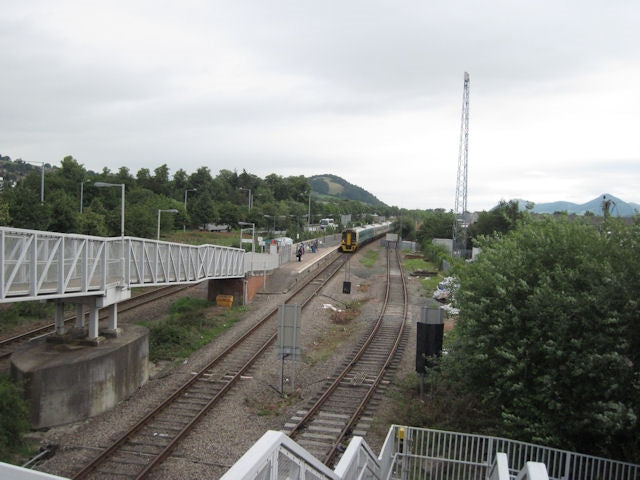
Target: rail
(36, 265)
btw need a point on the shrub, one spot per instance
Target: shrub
(14, 419)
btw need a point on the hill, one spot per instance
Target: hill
(617, 208)
(332, 187)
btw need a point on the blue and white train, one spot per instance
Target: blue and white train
(352, 238)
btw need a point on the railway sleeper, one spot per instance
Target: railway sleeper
(130, 457)
(306, 436)
(151, 444)
(319, 429)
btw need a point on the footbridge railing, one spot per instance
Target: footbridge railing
(37, 265)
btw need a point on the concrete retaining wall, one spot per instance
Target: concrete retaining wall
(67, 383)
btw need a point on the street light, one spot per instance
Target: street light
(170, 210)
(253, 234)
(184, 227)
(247, 190)
(104, 184)
(41, 180)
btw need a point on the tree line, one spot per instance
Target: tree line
(74, 204)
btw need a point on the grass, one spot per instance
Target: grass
(417, 264)
(190, 324)
(23, 313)
(196, 237)
(433, 276)
(369, 258)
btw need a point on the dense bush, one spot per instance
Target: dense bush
(547, 338)
(14, 419)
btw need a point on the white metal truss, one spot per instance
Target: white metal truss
(460, 209)
(36, 265)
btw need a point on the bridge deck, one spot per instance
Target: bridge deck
(37, 265)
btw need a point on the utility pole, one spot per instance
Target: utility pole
(460, 222)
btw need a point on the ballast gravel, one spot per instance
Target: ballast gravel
(256, 404)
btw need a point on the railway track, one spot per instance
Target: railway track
(324, 428)
(12, 343)
(150, 441)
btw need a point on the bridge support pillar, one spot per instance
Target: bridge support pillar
(94, 325)
(112, 329)
(60, 319)
(79, 316)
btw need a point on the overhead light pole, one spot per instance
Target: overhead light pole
(253, 234)
(41, 180)
(105, 184)
(184, 226)
(170, 210)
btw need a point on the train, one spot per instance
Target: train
(352, 238)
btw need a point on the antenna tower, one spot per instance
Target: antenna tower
(460, 221)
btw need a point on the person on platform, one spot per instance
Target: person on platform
(299, 253)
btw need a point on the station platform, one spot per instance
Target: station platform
(282, 279)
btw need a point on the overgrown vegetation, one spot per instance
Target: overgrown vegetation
(189, 325)
(546, 348)
(369, 258)
(21, 313)
(14, 421)
(427, 270)
(342, 327)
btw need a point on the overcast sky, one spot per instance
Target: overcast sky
(368, 90)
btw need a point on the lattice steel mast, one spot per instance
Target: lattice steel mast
(460, 210)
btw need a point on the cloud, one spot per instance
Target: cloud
(368, 90)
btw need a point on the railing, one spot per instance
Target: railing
(424, 453)
(499, 468)
(39, 265)
(358, 462)
(277, 456)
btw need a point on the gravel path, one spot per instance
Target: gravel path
(256, 405)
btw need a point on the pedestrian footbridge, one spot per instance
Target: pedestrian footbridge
(99, 271)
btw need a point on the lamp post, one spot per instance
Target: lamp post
(253, 233)
(247, 190)
(105, 184)
(170, 210)
(184, 226)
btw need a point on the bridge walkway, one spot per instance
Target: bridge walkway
(99, 272)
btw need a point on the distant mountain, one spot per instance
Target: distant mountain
(617, 207)
(328, 187)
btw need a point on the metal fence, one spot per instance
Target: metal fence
(434, 454)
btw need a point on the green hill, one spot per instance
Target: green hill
(331, 187)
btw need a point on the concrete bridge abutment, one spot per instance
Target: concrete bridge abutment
(72, 381)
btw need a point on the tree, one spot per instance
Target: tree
(547, 335)
(64, 212)
(5, 218)
(407, 227)
(501, 219)
(435, 224)
(25, 209)
(14, 419)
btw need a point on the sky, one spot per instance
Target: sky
(368, 90)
